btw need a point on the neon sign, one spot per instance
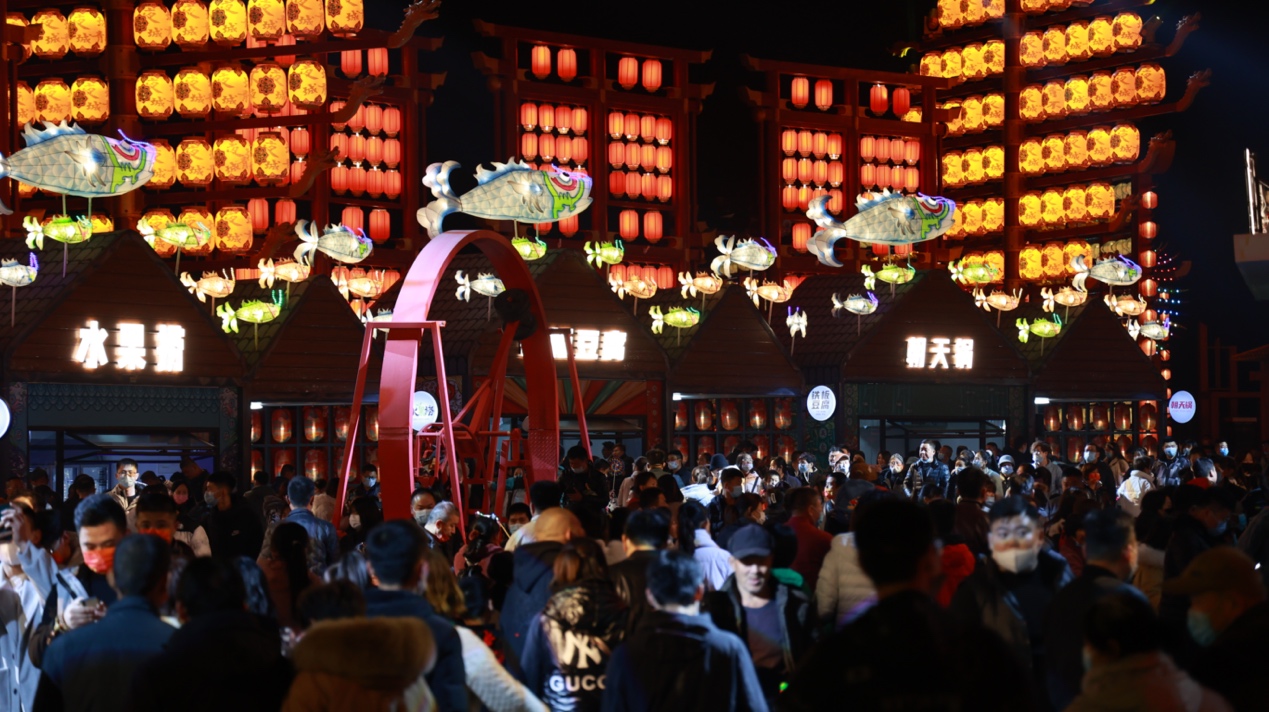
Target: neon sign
(130, 349)
(934, 353)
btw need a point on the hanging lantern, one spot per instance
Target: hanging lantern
(878, 99)
(306, 82)
(282, 425)
(284, 212)
(357, 180)
(1123, 87)
(374, 182)
(867, 175)
(1126, 31)
(540, 61)
(86, 31)
(269, 88)
(374, 150)
(546, 147)
(823, 94)
(258, 209)
(193, 93)
(566, 64)
(90, 100)
(353, 218)
(54, 39)
(1148, 229)
(345, 17)
(197, 215)
(801, 236)
(231, 90)
(651, 75)
(270, 159)
(380, 225)
(665, 188)
(26, 104)
(911, 179)
(377, 61)
(568, 226)
(152, 26)
(233, 229)
(304, 18)
(653, 227)
(266, 20)
(52, 101)
(194, 163)
(232, 159)
(627, 72)
(392, 183)
(164, 166)
(628, 222)
(228, 22)
(155, 95)
(1125, 143)
(800, 92)
(350, 63)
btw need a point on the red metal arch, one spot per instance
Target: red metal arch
(397, 444)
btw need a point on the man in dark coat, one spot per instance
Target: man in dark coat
(232, 529)
(971, 520)
(534, 572)
(647, 532)
(1202, 524)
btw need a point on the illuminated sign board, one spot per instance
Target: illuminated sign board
(131, 352)
(591, 345)
(940, 353)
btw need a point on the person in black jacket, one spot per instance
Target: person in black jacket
(580, 481)
(1202, 523)
(232, 529)
(647, 531)
(533, 572)
(397, 554)
(678, 659)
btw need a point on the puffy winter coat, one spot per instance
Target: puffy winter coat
(842, 585)
(1148, 682)
(363, 664)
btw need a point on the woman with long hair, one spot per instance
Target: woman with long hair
(695, 541)
(484, 539)
(286, 570)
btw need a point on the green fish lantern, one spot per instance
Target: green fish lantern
(254, 312)
(599, 254)
(69, 161)
(858, 304)
(511, 191)
(63, 228)
(967, 271)
(892, 274)
(1043, 328)
(183, 236)
(678, 317)
(529, 248)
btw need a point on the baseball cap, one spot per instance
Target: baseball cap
(1005, 458)
(751, 540)
(1221, 569)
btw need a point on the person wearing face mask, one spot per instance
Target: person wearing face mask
(674, 467)
(927, 469)
(1222, 448)
(892, 475)
(729, 492)
(806, 469)
(1110, 547)
(518, 515)
(21, 602)
(1201, 524)
(984, 462)
(1093, 462)
(232, 528)
(156, 515)
(1047, 469)
(1135, 486)
(579, 480)
(1229, 618)
(1011, 590)
(752, 482)
(421, 503)
(1171, 469)
(127, 488)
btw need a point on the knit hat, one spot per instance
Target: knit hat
(718, 461)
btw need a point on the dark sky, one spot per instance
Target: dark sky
(1202, 198)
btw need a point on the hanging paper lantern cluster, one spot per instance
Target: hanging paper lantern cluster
(953, 14)
(540, 57)
(974, 61)
(644, 146)
(554, 135)
(1057, 207)
(1100, 146)
(1079, 41)
(977, 217)
(1102, 91)
(800, 93)
(976, 114)
(811, 168)
(364, 151)
(86, 31)
(54, 40)
(632, 71)
(973, 166)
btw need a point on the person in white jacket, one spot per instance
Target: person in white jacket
(843, 587)
(695, 540)
(1133, 488)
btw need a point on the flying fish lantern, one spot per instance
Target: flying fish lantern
(634, 285)
(282, 270)
(1153, 330)
(54, 39)
(796, 321)
(345, 17)
(1126, 304)
(193, 93)
(891, 274)
(86, 31)
(18, 275)
(1066, 297)
(369, 285)
(155, 95)
(748, 254)
(307, 84)
(529, 248)
(678, 317)
(998, 300)
(341, 243)
(599, 254)
(860, 305)
(1042, 328)
(254, 312)
(971, 271)
(228, 22)
(90, 100)
(183, 236)
(211, 284)
(266, 19)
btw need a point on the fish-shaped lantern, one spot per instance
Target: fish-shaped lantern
(211, 284)
(67, 160)
(63, 228)
(368, 285)
(1066, 296)
(748, 254)
(254, 312)
(529, 248)
(599, 254)
(1153, 330)
(342, 244)
(892, 274)
(770, 291)
(511, 191)
(184, 237)
(858, 304)
(998, 300)
(885, 219)
(285, 270)
(18, 275)
(484, 284)
(1126, 304)
(967, 271)
(796, 321)
(381, 315)
(700, 283)
(1043, 328)
(635, 286)
(1113, 271)
(678, 317)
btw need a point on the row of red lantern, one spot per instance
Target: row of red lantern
(562, 119)
(565, 62)
(376, 63)
(568, 226)
(373, 182)
(374, 150)
(976, 113)
(268, 90)
(977, 217)
(191, 23)
(663, 276)
(628, 222)
(315, 423)
(374, 118)
(953, 14)
(1080, 41)
(258, 210)
(817, 173)
(879, 100)
(973, 61)
(82, 32)
(797, 198)
(634, 127)
(892, 150)
(811, 143)
(1057, 207)
(800, 93)
(1098, 417)
(1079, 149)
(973, 166)
(905, 178)
(317, 460)
(634, 185)
(560, 150)
(86, 100)
(632, 71)
(635, 156)
(1102, 91)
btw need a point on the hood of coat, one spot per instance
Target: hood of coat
(958, 560)
(1143, 681)
(591, 607)
(376, 653)
(533, 563)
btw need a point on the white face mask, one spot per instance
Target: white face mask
(1017, 560)
(513, 528)
(1090, 457)
(1006, 469)
(420, 516)
(745, 467)
(127, 482)
(673, 465)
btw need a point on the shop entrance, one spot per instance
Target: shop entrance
(905, 435)
(67, 453)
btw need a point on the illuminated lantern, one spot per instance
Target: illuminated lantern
(54, 39)
(800, 92)
(663, 131)
(1029, 210)
(834, 148)
(164, 166)
(632, 124)
(1031, 50)
(973, 66)
(282, 426)
(339, 179)
(193, 93)
(1147, 258)
(26, 104)
(653, 229)
(972, 114)
(972, 161)
(1151, 84)
(1101, 38)
(1099, 148)
(197, 216)
(231, 90)
(86, 31)
(1029, 263)
(194, 162)
(350, 62)
(931, 65)
(1031, 156)
(648, 185)
(973, 223)
(628, 72)
(345, 17)
(269, 88)
(1123, 86)
(566, 64)
(1125, 143)
(1149, 200)
(304, 18)
(867, 148)
(232, 159)
(529, 146)
(52, 101)
(374, 150)
(1055, 45)
(953, 169)
(804, 170)
(1051, 211)
(823, 94)
(90, 100)
(233, 229)
(18, 20)
(266, 20)
(664, 159)
(648, 128)
(801, 235)
(1031, 103)
(1148, 229)
(628, 222)
(993, 162)
(285, 41)
(258, 209)
(314, 425)
(1100, 94)
(819, 173)
(1054, 98)
(616, 125)
(993, 57)
(882, 150)
(392, 183)
(1053, 152)
(1075, 205)
(306, 84)
(155, 95)
(228, 22)
(836, 173)
(380, 225)
(270, 159)
(101, 223)
(994, 110)
(898, 149)
(1101, 200)
(1077, 42)
(651, 74)
(300, 142)
(993, 215)
(878, 99)
(540, 61)
(1077, 96)
(664, 189)
(1126, 29)
(546, 147)
(284, 212)
(353, 218)
(952, 63)
(789, 196)
(356, 180)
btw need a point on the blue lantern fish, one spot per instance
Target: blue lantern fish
(69, 161)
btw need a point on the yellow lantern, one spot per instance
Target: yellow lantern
(232, 157)
(1031, 103)
(1034, 7)
(1075, 204)
(994, 57)
(1101, 37)
(995, 259)
(268, 88)
(195, 216)
(931, 65)
(18, 20)
(305, 18)
(1100, 96)
(1076, 248)
(1055, 99)
(1125, 143)
(101, 223)
(1077, 42)
(1126, 29)
(972, 114)
(955, 124)
(1031, 157)
(994, 110)
(972, 160)
(974, 13)
(953, 63)
(972, 64)
(266, 19)
(1123, 86)
(1101, 201)
(1031, 50)
(54, 39)
(228, 22)
(155, 95)
(158, 219)
(1077, 98)
(306, 84)
(26, 104)
(164, 166)
(270, 159)
(1055, 45)
(950, 14)
(1076, 150)
(345, 17)
(953, 170)
(1151, 84)
(86, 31)
(233, 229)
(994, 214)
(994, 162)
(1051, 212)
(193, 93)
(194, 162)
(1052, 151)
(1051, 261)
(973, 224)
(90, 100)
(1099, 150)
(52, 101)
(152, 26)
(1029, 263)
(191, 24)
(230, 90)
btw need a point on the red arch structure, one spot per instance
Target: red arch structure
(475, 438)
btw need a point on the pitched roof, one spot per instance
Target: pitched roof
(1097, 359)
(736, 352)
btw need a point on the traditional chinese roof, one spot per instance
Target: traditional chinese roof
(735, 352)
(1098, 360)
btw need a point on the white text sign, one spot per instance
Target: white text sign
(940, 352)
(94, 347)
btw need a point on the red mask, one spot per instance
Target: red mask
(100, 560)
(164, 534)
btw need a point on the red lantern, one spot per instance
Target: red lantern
(353, 218)
(819, 144)
(392, 183)
(665, 277)
(632, 185)
(391, 120)
(283, 212)
(836, 201)
(300, 143)
(664, 131)
(356, 148)
(581, 150)
(616, 182)
(1149, 200)
(339, 179)
(546, 146)
(652, 229)
(867, 175)
(804, 170)
(1147, 258)
(648, 184)
(652, 74)
(283, 425)
(836, 173)
(789, 142)
(883, 150)
(911, 152)
(665, 159)
(546, 117)
(1148, 287)
(823, 94)
(568, 226)
(374, 182)
(374, 150)
(806, 143)
(789, 197)
(801, 236)
(581, 120)
(391, 152)
(819, 173)
(800, 93)
(380, 225)
(789, 170)
(297, 171)
(566, 64)
(617, 273)
(834, 149)
(911, 179)
(258, 209)
(628, 72)
(314, 423)
(563, 119)
(616, 124)
(339, 142)
(665, 188)
(878, 99)
(350, 62)
(540, 61)
(377, 61)
(616, 154)
(648, 128)
(867, 148)
(564, 149)
(374, 119)
(1148, 229)
(628, 224)
(902, 101)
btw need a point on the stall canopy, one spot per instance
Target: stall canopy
(1096, 359)
(735, 352)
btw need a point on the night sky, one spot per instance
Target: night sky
(1202, 199)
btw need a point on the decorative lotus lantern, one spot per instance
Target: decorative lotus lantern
(268, 88)
(54, 39)
(230, 91)
(194, 162)
(266, 19)
(90, 100)
(270, 159)
(86, 31)
(1125, 143)
(228, 22)
(1126, 30)
(52, 101)
(233, 229)
(345, 17)
(193, 93)
(1123, 86)
(306, 84)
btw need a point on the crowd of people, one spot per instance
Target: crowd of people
(945, 580)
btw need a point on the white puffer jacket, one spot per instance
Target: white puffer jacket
(842, 586)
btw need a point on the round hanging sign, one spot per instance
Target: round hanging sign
(426, 411)
(1181, 407)
(821, 402)
(4, 418)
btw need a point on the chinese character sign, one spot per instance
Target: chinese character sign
(934, 353)
(591, 345)
(130, 347)
(916, 352)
